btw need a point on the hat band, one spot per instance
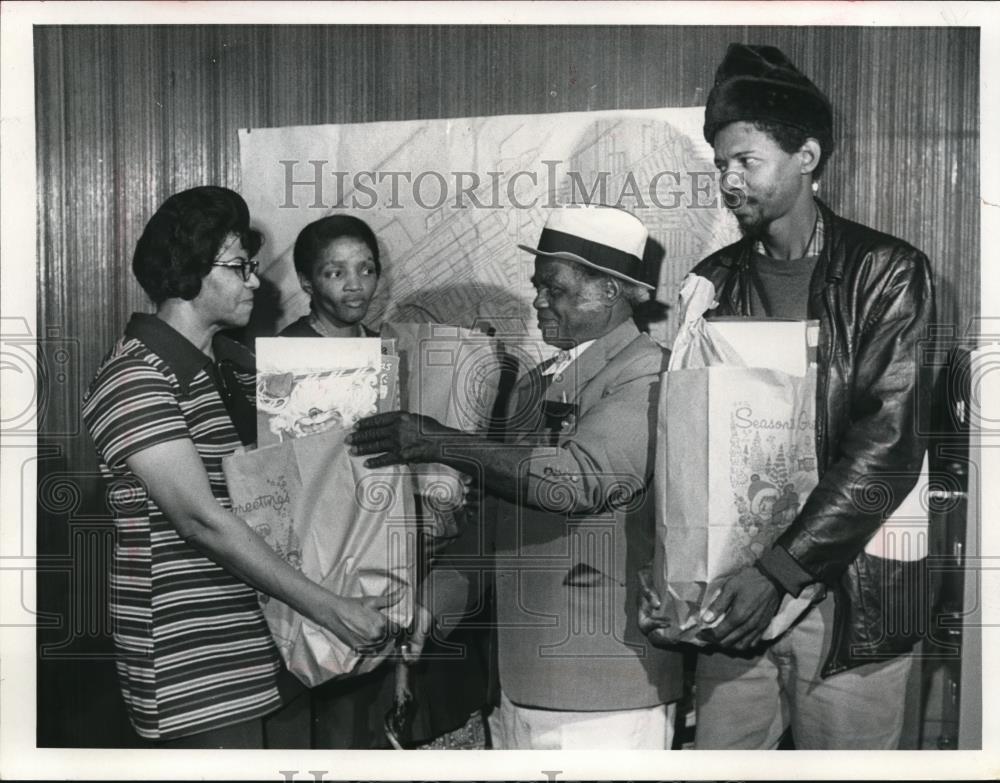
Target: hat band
(604, 256)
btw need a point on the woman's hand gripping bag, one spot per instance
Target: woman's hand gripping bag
(345, 526)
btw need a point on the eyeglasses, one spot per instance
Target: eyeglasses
(245, 267)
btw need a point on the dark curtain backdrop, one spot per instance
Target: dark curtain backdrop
(128, 115)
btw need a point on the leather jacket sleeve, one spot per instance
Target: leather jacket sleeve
(874, 443)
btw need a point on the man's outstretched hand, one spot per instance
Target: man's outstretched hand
(398, 438)
(749, 600)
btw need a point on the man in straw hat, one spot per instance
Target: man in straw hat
(566, 491)
(838, 677)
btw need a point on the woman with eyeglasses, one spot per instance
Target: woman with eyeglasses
(196, 663)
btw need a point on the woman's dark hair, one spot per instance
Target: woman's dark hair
(315, 237)
(791, 139)
(183, 238)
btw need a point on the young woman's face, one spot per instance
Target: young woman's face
(342, 282)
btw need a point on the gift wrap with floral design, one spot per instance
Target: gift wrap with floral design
(736, 457)
(345, 526)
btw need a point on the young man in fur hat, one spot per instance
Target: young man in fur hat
(838, 677)
(566, 491)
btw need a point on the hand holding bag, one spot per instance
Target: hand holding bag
(735, 454)
(345, 526)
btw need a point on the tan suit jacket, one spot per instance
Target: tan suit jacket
(566, 563)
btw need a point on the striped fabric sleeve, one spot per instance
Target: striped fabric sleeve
(132, 406)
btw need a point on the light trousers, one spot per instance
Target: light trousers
(515, 727)
(747, 703)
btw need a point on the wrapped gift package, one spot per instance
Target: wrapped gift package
(307, 385)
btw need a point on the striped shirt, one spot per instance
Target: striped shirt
(193, 650)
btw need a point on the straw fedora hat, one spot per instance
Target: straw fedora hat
(598, 236)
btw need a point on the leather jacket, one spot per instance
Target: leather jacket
(873, 296)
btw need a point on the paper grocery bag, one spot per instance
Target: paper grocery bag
(448, 372)
(451, 374)
(345, 526)
(735, 458)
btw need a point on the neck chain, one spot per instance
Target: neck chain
(763, 249)
(812, 235)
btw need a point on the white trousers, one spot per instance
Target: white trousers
(514, 727)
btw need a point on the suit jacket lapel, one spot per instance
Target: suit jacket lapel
(588, 364)
(528, 395)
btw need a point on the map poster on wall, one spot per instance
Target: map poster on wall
(449, 201)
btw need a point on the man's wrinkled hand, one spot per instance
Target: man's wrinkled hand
(398, 438)
(748, 601)
(652, 621)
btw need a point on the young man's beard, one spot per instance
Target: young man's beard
(752, 225)
(755, 229)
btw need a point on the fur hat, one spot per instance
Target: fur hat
(758, 83)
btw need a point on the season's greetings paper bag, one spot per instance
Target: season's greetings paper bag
(451, 374)
(345, 526)
(736, 456)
